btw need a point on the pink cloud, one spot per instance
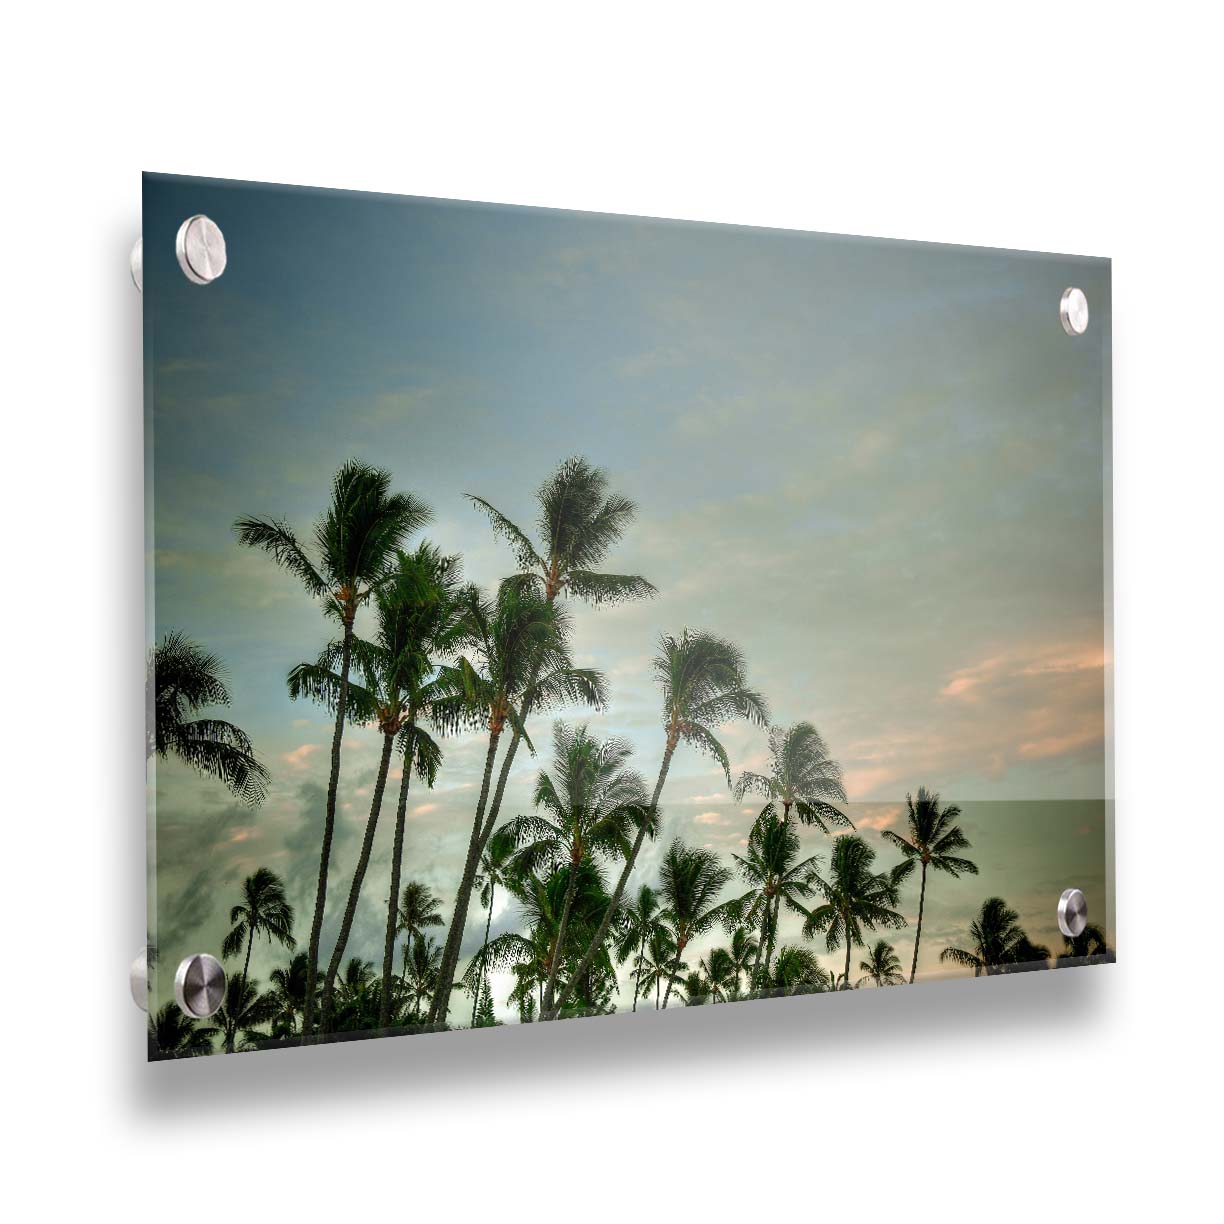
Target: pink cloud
(299, 757)
(707, 818)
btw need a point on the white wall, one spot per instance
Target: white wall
(1065, 127)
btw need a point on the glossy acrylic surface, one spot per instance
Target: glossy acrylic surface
(806, 639)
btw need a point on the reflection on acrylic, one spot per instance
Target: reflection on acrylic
(559, 615)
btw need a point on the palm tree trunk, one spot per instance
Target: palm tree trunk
(484, 949)
(773, 930)
(849, 945)
(600, 935)
(637, 977)
(397, 853)
(363, 861)
(571, 888)
(756, 963)
(671, 977)
(329, 825)
(246, 965)
(918, 932)
(454, 937)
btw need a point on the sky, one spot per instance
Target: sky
(881, 468)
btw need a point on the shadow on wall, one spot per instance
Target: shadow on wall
(931, 1016)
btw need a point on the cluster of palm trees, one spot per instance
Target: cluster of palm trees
(441, 656)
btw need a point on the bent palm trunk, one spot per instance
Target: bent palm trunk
(570, 889)
(397, 854)
(329, 825)
(346, 926)
(454, 937)
(918, 932)
(601, 934)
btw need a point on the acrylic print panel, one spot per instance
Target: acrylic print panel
(715, 613)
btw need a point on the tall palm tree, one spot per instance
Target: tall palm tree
(579, 522)
(438, 624)
(497, 865)
(175, 1035)
(704, 683)
(264, 911)
(933, 836)
(182, 679)
(803, 776)
(882, 968)
(690, 879)
(522, 661)
(641, 921)
(237, 1022)
(776, 874)
(585, 809)
(355, 544)
(394, 669)
(997, 939)
(855, 896)
(289, 991)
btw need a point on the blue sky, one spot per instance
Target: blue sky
(879, 467)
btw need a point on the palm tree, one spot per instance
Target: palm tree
(773, 868)
(357, 995)
(932, 839)
(641, 921)
(997, 939)
(175, 1035)
(422, 960)
(182, 679)
(704, 682)
(289, 991)
(1084, 948)
(585, 809)
(658, 962)
(438, 625)
(881, 966)
(797, 971)
(717, 971)
(418, 910)
(522, 662)
(497, 865)
(803, 776)
(690, 880)
(542, 952)
(355, 542)
(244, 1009)
(1028, 957)
(579, 522)
(855, 896)
(745, 954)
(394, 668)
(264, 911)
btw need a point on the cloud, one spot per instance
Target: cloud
(299, 758)
(707, 818)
